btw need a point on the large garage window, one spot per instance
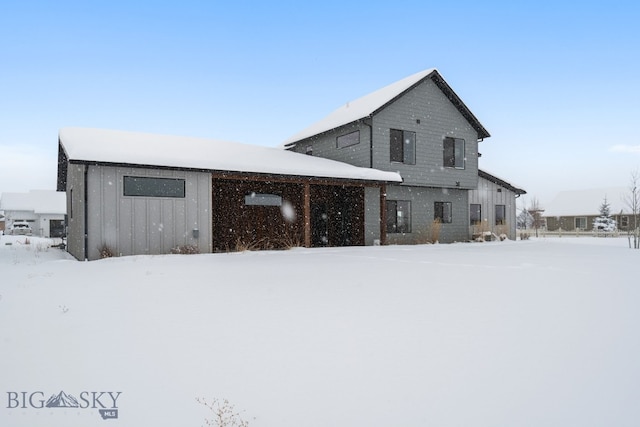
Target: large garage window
(144, 186)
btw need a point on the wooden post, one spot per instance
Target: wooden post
(383, 214)
(307, 215)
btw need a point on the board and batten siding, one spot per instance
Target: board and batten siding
(76, 210)
(488, 195)
(146, 225)
(422, 214)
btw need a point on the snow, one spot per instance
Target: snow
(135, 148)
(38, 201)
(360, 108)
(587, 202)
(527, 333)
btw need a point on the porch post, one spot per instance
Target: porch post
(307, 215)
(383, 214)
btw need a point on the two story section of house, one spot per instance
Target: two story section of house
(420, 128)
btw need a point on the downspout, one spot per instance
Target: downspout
(86, 212)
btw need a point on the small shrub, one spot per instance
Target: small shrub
(434, 230)
(105, 251)
(224, 414)
(186, 250)
(524, 236)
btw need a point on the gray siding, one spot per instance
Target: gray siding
(438, 118)
(371, 215)
(422, 213)
(146, 225)
(75, 210)
(488, 195)
(324, 145)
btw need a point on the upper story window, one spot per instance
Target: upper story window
(453, 153)
(352, 138)
(145, 186)
(402, 145)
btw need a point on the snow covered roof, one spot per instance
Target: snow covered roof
(500, 181)
(38, 201)
(145, 149)
(587, 202)
(375, 101)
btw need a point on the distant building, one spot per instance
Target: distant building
(576, 210)
(44, 210)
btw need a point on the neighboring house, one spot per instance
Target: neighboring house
(420, 128)
(134, 193)
(1, 223)
(576, 210)
(44, 210)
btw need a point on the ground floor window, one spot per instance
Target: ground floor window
(624, 222)
(475, 214)
(581, 223)
(398, 216)
(442, 212)
(501, 214)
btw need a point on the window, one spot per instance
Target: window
(453, 153)
(501, 216)
(309, 150)
(352, 138)
(475, 214)
(442, 212)
(581, 223)
(254, 199)
(153, 187)
(624, 222)
(398, 216)
(402, 145)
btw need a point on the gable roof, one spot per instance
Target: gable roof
(37, 201)
(374, 102)
(500, 182)
(587, 202)
(83, 145)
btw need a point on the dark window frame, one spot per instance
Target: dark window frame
(453, 153)
(475, 218)
(394, 225)
(503, 210)
(397, 151)
(348, 139)
(153, 186)
(443, 211)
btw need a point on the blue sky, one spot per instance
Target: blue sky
(557, 85)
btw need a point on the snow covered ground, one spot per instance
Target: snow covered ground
(534, 333)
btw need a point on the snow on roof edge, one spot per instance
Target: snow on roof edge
(137, 148)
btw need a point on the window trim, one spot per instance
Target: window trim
(405, 160)
(131, 191)
(463, 157)
(444, 219)
(392, 226)
(471, 219)
(504, 215)
(348, 137)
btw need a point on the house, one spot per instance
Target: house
(492, 206)
(44, 210)
(136, 193)
(576, 210)
(420, 128)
